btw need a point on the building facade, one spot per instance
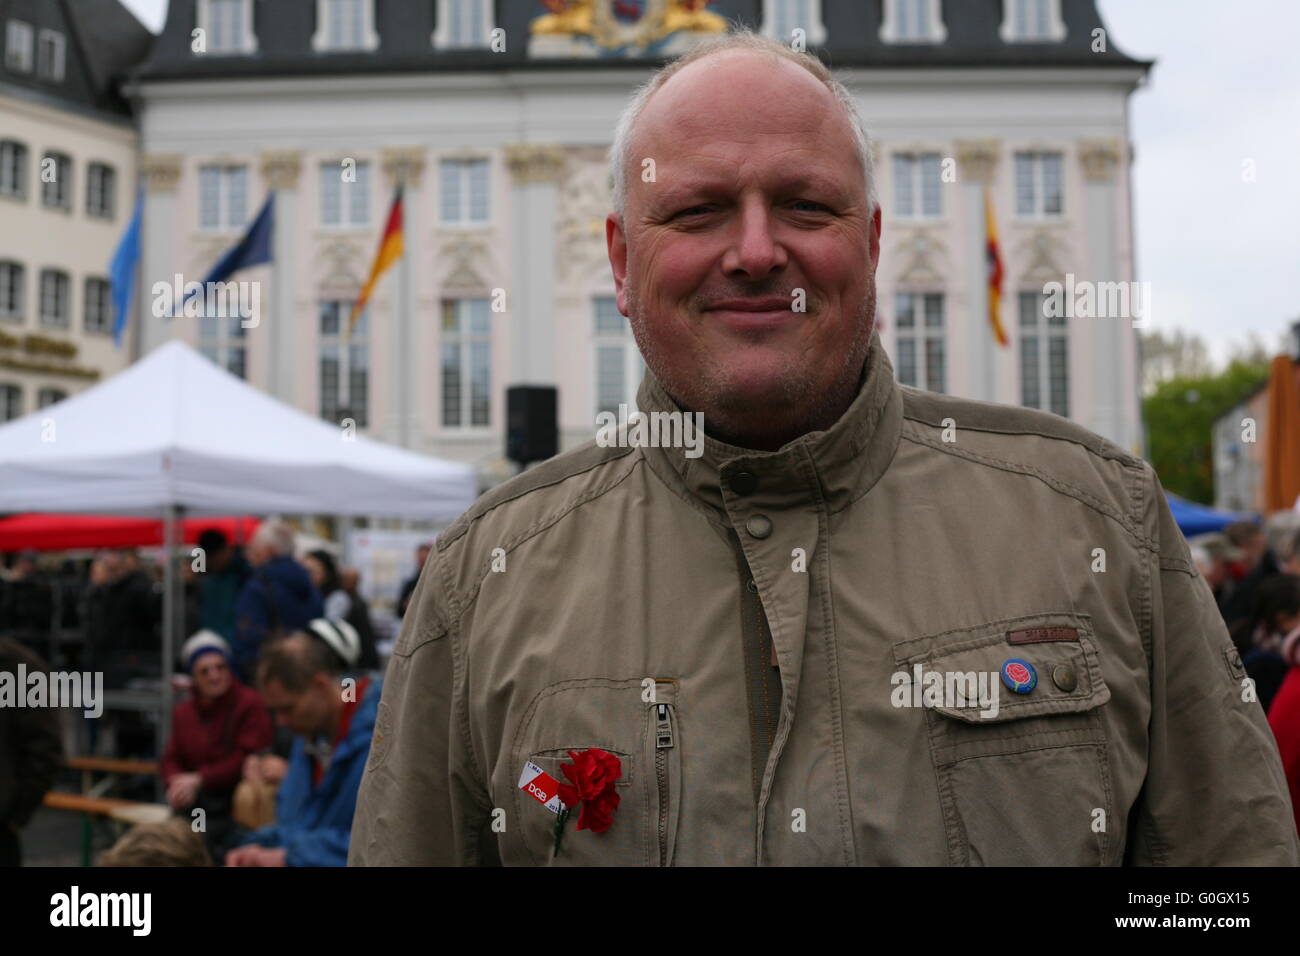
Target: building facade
(496, 117)
(68, 151)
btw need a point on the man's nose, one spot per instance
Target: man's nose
(755, 249)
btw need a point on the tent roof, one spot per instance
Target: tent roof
(1193, 519)
(174, 428)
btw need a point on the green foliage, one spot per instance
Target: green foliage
(1180, 415)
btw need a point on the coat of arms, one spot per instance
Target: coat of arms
(619, 28)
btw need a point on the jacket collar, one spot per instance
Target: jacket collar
(833, 467)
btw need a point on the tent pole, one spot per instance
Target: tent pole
(170, 584)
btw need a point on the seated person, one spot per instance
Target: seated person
(213, 732)
(333, 718)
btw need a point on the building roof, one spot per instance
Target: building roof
(103, 41)
(284, 32)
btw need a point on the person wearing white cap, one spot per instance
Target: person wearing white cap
(213, 731)
(332, 716)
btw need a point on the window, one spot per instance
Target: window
(11, 402)
(464, 190)
(222, 339)
(11, 292)
(228, 25)
(336, 365)
(1038, 184)
(1032, 21)
(223, 197)
(100, 183)
(782, 17)
(13, 169)
(99, 307)
(54, 299)
(1044, 357)
(913, 21)
(345, 25)
(466, 363)
(918, 322)
(49, 56)
(46, 397)
(18, 46)
(918, 188)
(619, 367)
(344, 203)
(463, 23)
(56, 181)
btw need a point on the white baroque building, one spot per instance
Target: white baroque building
(497, 117)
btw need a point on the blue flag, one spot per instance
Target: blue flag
(121, 271)
(251, 250)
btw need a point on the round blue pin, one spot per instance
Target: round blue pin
(1019, 675)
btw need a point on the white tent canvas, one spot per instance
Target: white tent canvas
(174, 429)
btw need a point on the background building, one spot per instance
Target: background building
(67, 174)
(497, 117)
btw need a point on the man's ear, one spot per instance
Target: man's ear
(616, 243)
(873, 240)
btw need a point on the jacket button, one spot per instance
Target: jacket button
(1063, 677)
(759, 526)
(743, 483)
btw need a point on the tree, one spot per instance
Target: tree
(1180, 415)
(1172, 355)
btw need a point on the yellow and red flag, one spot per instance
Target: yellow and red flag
(390, 250)
(994, 256)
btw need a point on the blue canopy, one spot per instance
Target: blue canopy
(1194, 519)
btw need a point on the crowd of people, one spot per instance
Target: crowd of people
(267, 744)
(1254, 574)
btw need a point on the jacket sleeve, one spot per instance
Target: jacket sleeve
(422, 801)
(252, 734)
(1215, 793)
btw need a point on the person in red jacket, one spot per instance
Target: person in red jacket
(213, 732)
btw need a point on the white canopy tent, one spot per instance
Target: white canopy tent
(175, 433)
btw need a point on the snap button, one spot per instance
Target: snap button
(759, 526)
(1063, 676)
(743, 483)
(753, 588)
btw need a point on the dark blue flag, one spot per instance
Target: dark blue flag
(252, 250)
(121, 271)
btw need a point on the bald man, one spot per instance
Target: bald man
(855, 623)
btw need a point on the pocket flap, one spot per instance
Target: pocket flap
(1059, 649)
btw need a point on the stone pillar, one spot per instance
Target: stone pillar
(160, 174)
(535, 170)
(1108, 383)
(280, 170)
(404, 165)
(977, 162)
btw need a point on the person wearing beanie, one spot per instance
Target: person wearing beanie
(213, 732)
(332, 716)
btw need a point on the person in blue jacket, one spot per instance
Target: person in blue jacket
(278, 597)
(301, 678)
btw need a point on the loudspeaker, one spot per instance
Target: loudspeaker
(532, 432)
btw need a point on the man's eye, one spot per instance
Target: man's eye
(809, 202)
(691, 210)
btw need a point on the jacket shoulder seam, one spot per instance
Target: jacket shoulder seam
(1056, 484)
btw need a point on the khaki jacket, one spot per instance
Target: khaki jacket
(638, 597)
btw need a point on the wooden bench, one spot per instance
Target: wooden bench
(112, 765)
(91, 801)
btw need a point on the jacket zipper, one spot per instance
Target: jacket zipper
(663, 741)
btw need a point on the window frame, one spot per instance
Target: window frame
(14, 389)
(323, 42)
(920, 334)
(58, 62)
(46, 390)
(914, 159)
(1043, 333)
(62, 182)
(103, 301)
(106, 189)
(14, 29)
(345, 194)
(465, 163)
(771, 14)
(1055, 26)
(633, 365)
(442, 37)
(62, 282)
(247, 36)
(17, 273)
(1037, 157)
(464, 338)
(360, 339)
(20, 152)
(225, 343)
(223, 197)
(891, 27)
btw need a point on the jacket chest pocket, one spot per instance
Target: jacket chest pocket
(636, 721)
(1023, 777)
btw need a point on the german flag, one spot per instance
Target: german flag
(390, 250)
(994, 256)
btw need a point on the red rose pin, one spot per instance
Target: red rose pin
(591, 783)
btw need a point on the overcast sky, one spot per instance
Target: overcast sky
(1222, 254)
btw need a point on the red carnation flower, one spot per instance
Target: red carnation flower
(591, 783)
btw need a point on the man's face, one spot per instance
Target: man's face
(306, 713)
(758, 193)
(212, 676)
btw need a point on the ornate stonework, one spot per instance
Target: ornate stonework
(1099, 158)
(583, 204)
(976, 160)
(404, 164)
(926, 260)
(468, 261)
(161, 171)
(599, 28)
(280, 168)
(534, 162)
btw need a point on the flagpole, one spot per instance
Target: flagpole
(136, 328)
